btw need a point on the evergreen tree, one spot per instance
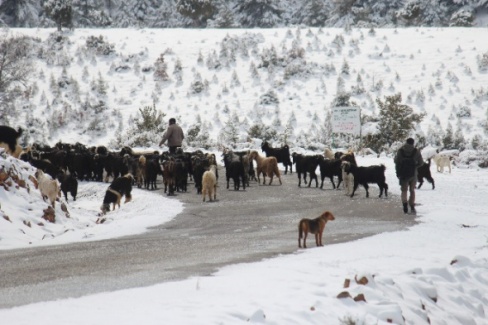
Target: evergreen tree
(60, 11)
(130, 13)
(160, 69)
(224, 18)
(146, 128)
(88, 13)
(20, 13)
(313, 13)
(342, 99)
(15, 66)
(396, 120)
(198, 10)
(448, 139)
(459, 142)
(230, 132)
(259, 13)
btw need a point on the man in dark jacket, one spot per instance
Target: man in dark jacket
(407, 160)
(174, 134)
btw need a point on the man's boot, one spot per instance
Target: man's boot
(412, 209)
(405, 207)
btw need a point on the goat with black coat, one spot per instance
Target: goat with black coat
(116, 165)
(235, 169)
(152, 170)
(248, 166)
(330, 168)
(8, 139)
(200, 165)
(424, 172)
(46, 166)
(282, 155)
(181, 175)
(306, 164)
(69, 184)
(369, 174)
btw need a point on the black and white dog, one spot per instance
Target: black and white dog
(8, 140)
(120, 186)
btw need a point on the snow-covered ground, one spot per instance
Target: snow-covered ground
(285, 79)
(433, 273)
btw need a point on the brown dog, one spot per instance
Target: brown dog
(315, 226)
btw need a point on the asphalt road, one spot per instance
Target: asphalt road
(241, 226)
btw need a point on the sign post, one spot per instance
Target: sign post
(347, 120)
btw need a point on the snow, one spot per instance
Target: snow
(435, 70)
(434, 272)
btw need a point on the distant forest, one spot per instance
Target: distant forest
(242, 13)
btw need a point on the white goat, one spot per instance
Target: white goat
(209, 183)
(48, 187)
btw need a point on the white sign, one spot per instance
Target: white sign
(346, 120)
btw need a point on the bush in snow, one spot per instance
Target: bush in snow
(261, 131)
(269, 98)
(463, 111)
(483, 62)
(146, 128)
(99, 45)
(160, 69)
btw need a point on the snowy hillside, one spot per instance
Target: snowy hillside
(90, 85)
(248, 13)
(28, 220)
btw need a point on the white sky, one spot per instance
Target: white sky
(405, 268)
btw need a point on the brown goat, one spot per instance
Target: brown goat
(268, 166)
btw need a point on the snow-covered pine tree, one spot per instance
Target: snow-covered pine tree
(259, 13)
(312, 13)
(88, 13)
(136, 13)
(199, 11)
(396, 120)
(60, 11)
(20, 13)
(448, 139)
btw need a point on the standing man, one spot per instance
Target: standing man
(407, 160)
(174, 134)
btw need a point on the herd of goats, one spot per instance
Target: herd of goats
(68, 163)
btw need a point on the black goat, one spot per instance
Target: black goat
(330, 168)
(248, 166)
(181, 175)
(306, 164)
(200, 164)
(424, 172)
(235, 169)
(369, 174)
(46, 166)
(69, 184)
(282, 155)
(152, 170)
